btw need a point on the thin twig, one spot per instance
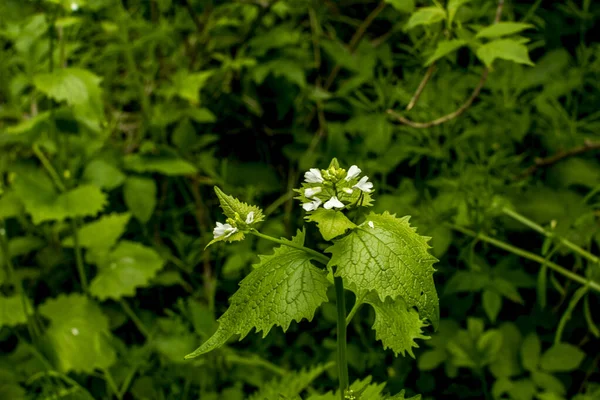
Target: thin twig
(422, 85)
(193, 16)
(462, 108)
(588, 145)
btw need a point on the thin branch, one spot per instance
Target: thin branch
(588, 145)
(193, 16)
(422, 85)
(462, 108)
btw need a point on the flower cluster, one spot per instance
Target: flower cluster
(334, 188)
(231, 226)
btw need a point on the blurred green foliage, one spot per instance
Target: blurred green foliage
(118, 116)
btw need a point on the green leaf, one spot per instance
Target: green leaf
(284, 286)
(102, 233)
(548, 382)
(397, 326)
(362, 388)
(425, 16)
(331, 223)
(290, 385)
(12, 310)
(166, 164)
(232, 206)
(492, 303)
(187, 85)
(102, 174)
(530, 352)
(431, 359)
(140, 197)
(445, 47)
(453, 6)
(391, 259)
(562, 357)
(506, 49)
(509, 364)
(502, 29)
(43, 203)
(129, 266)
(10, 206)
(78, 334)
(72, 85)
(406, 6)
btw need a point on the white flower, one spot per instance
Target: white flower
(74, 6)
(348, 190)
(371, 224)
(310, 192)
(313, 176)
(223, 230)
(250, 217)
(333, 202)
(353, 172)
(364, 185)
(312, 206)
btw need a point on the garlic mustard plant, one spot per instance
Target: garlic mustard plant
(378, 257)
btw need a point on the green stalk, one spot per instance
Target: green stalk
(136, 320)
(531, 256)
(314, 254)
(538, 228)
(341, 336)
(79, 257)
(357, 304)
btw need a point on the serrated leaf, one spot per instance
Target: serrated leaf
(492, 303)
(530, 352)
(425, 16)
(406, 6)
(188, 85)
(231, 206)
(78, 334)
(396, 325)
(12, 311)
(502, 29)
(102, 174)
(331, 223)
(129, 266)
(445, 47)
(390, 259)
(43, 203)
(166, 164)
(67, 84)
(140, 197)
(289, 385)
(562, 357)
(102, 233)
(363, 388)
(283, 287)
(506, 49)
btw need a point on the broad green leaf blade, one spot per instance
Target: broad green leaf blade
(284, 286)
(530, 352)
(406, 6)
(562, 357)
(102, 233)
(78, 334)
(10, 205)
(290, 385)
(391, 259)
(396, 325)
(502, 29)
(12, 310)
(445, 47)
(363, 388)
(548, 382)
(103, 174)
(129, 266)
(425, 16)
(166, 164)
(231, 206)
(492, 303)
(331, 223)
(140, 197)
(67, 84)
(506, 49)
(453, 7)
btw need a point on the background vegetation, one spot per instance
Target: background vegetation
(117, 117)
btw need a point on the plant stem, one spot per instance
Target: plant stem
(315, 254)
(357, 304)
(531, 256)
(136, 320)
(538, 228)
(79, 257)
(341, 335)
(256, 362)
(111, 384)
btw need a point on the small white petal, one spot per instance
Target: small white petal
(250, 217)
(312, 206)
(371, 224)
(333, 202)
(313, 175)
(223, 230)
(310, 192)
(348, 190)
(364, 185)
(74, 331)
(74, 6)
(231, 232)
(353, 172)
